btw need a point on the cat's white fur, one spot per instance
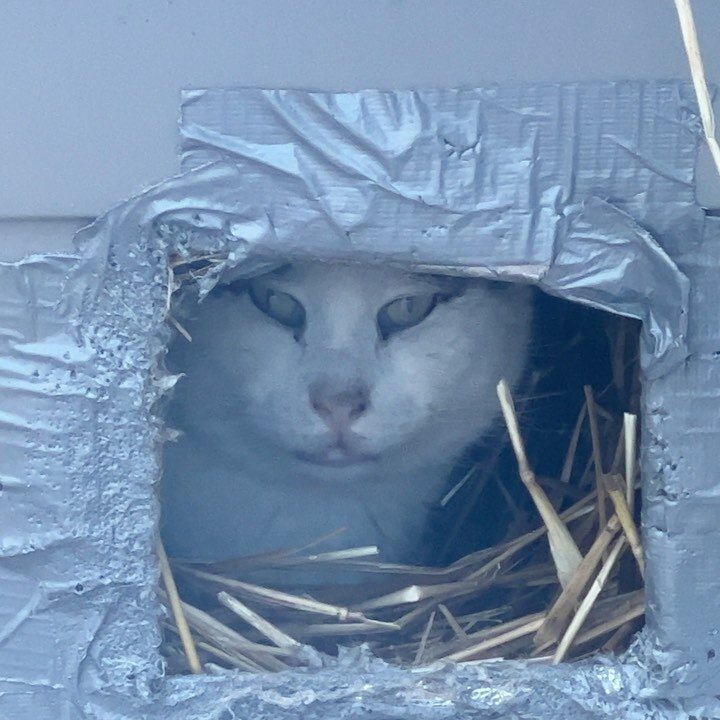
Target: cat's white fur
(239, 480)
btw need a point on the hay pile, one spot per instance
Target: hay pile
(568, 588)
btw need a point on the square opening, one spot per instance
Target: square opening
(479, 579)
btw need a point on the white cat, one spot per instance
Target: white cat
(331, 395)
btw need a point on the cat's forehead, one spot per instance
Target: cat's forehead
(326, 277)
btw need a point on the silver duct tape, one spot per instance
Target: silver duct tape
(585, 190)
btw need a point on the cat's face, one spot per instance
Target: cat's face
(342, 372)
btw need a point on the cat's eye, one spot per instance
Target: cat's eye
(278, 305)
(404, 312)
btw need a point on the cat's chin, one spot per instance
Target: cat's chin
(336, 458)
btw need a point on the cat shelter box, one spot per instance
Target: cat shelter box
(583, 190)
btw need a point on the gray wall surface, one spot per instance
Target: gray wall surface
(91, 90)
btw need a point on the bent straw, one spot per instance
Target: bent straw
(564, 551)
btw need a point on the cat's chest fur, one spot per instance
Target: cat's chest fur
(331, 396)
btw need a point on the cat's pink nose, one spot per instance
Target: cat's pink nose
(339, 408)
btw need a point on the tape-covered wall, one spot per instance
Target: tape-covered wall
(584, 189)
(91, 90)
